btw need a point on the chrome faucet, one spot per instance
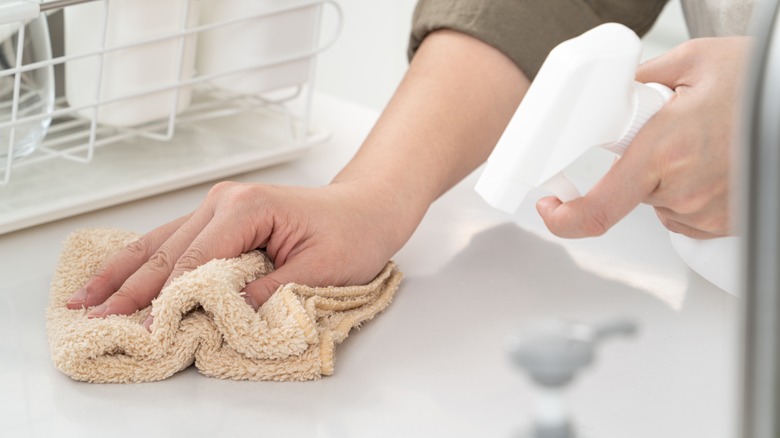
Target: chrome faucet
(760, 415)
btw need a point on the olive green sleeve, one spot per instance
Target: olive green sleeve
(526, 30)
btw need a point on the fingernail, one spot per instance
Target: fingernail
(148, 323)
(251, 301)
(98, 311)
(79, 297)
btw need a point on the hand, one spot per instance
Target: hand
(680, 161)
(333, 235)
(441, 124)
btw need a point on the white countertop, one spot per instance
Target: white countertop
(432, 364)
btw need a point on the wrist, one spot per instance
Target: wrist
(394, 210)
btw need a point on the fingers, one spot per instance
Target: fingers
(220, 238)
(627, 184)
(260, 290)
(688, 225)
(669, 69)
(257, 292)
(217, 240)
(677, 161)
(110, 276)
(142, 286)
(131, 281)
(687, 230)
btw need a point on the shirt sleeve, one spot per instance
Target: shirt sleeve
(526, 30)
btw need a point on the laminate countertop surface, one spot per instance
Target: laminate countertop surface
(433, 363)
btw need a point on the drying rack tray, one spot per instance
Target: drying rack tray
(139, 167)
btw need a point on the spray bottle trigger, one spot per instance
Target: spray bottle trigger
(562, 188)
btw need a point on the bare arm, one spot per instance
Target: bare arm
(442, 122)
(445, 117)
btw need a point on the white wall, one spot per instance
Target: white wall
(667, 32)
(369, 59)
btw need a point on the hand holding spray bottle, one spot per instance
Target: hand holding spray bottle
(584, 96)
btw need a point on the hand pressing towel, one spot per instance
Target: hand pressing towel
(202, 318)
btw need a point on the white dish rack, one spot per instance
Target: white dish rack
(83, 165)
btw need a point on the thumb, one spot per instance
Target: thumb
(619, 191)
(259, 291)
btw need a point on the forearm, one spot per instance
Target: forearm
(443, 121)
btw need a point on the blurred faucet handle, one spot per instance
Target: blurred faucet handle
(552, 352)
(615, 327)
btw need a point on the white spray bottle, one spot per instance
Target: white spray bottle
(585, 96)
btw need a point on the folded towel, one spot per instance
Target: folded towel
(202, 317)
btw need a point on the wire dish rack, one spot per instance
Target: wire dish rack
(208, 125)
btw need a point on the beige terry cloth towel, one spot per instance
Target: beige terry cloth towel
(202, 318)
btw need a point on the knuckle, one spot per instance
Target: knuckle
(233, 193)
(669, 224)
(241, 194)
(161, 261)
(107, 275)
(103, 278)
(596, 223)
(692, 203)
(130, 298)
(713, 223)
(218, 189)
(662, 213)
(138, 249)
(192, 258)
(690, 48)
(685, 205)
